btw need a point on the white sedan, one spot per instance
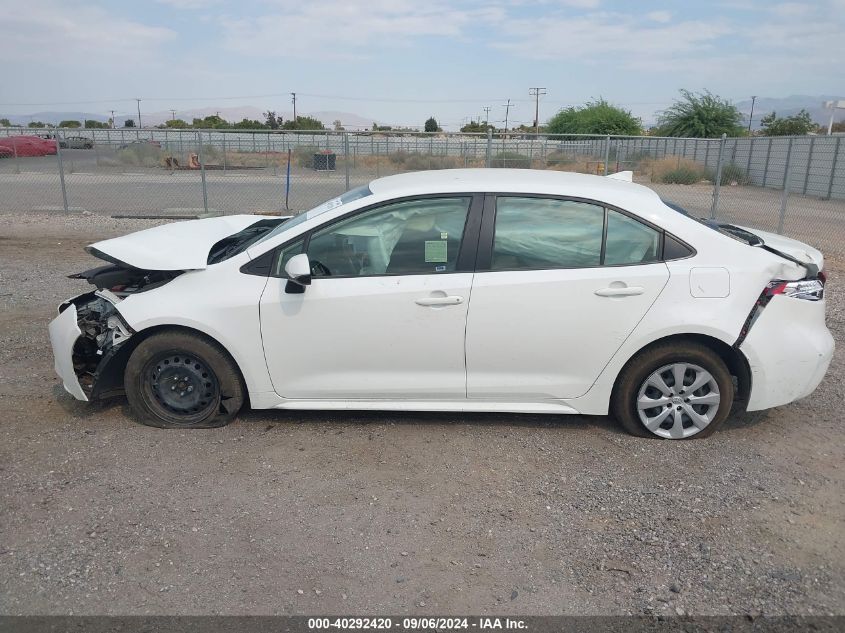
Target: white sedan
(459, 290)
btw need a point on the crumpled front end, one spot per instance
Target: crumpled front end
(86, 336)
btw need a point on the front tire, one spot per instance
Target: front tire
(182, 380)
(673, 391)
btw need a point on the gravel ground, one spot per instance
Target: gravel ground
(293, 513)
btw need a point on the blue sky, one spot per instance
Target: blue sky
(398, 61)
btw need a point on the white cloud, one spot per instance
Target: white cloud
(190, 4)
(621, 37)
(659, 16)
(50, 31)
(581, 4)
(343, 28)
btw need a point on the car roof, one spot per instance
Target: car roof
(513, 181)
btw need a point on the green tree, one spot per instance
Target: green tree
(176, 124)
(248, 124)
(702, 115)
(338, 125)
(431, 125)
(30, 124)
(304, 123)
(129, 123)
(91, 123)
(211, 122)
(5, 123)
(595, 117)
(477, 126)
(271, 121)
(71, 124)
(795, 125)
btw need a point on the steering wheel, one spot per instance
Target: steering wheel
(319, 269)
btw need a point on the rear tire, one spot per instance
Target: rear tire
(182, 380)
(648, 401)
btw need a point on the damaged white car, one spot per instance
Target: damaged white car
(457, 290)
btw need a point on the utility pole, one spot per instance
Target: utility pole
(139, 112)
(293, 99)
(751, 116)
(486, 115)
(112, 118)
(507, 107)
(536, 93)
(173, 115)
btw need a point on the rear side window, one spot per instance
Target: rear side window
(630, 241)
(534, 233)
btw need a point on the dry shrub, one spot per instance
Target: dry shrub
(673, 170)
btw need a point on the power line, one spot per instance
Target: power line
(507, 112)
(536, 93)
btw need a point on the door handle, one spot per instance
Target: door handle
(450, 300)
(620, 291)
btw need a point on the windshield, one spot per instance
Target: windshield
(730, 230)
(353, 194)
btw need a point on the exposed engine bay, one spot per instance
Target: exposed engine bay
(123, 280)
(103, 330)
(100, 351)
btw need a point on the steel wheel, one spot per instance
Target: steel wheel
(678, 400)
(180, 387)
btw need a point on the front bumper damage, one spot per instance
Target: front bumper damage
(87, 337)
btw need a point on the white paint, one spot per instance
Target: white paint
(175, 246)
(709, 282)
(63, 334)
(530, 341)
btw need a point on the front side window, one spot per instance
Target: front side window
(284, 257)
(536, 233)
(404, 238)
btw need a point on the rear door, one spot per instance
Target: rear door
(560, 285)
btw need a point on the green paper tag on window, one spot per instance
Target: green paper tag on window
(435, 251)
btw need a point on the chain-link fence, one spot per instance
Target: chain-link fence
(791, 185)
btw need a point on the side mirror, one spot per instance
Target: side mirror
(298, 270)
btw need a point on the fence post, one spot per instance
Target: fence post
(750, 154)
(223, 142)
(833, 167)
(809, 163)
(489, 153)
(766, 165)
(346, 157)
(202, 173)
(787, 175)
(606, 153)
(61, 171)
(17, 158)
(717, 184)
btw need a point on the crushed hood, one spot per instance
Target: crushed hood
(175, 246)
(799, 250)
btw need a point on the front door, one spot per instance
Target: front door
(385, 314)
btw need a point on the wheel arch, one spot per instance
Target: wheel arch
(110, 372)
(733, 358)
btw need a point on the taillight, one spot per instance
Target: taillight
(823, 276)
(809, 289)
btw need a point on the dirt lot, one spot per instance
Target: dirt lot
(289, 513)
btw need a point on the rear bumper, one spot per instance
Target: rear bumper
(789, 349)
(64, 331)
